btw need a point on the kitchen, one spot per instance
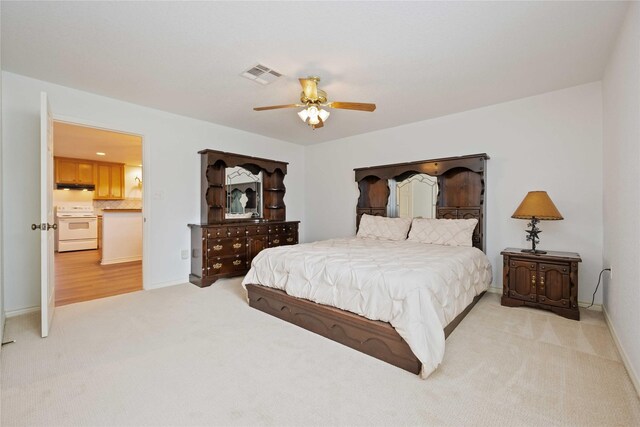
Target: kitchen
(97, 200)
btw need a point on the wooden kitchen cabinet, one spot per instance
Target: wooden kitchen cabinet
(548, 281)
(109, 181)
(74, 171)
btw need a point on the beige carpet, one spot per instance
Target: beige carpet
(190, 356)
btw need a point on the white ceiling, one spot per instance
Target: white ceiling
(415, 60)
(80, 142)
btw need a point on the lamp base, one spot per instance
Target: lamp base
(533, 251)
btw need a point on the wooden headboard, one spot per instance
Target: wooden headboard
(461, 188)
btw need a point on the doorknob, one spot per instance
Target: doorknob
(44, 226)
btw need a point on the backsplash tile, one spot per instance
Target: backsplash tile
(99, 205)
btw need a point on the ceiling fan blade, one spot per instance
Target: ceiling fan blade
(359, 106)
(310, 88)
(275, 107)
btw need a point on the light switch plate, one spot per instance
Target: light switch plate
(185, 254)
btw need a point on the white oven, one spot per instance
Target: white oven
(77, 229)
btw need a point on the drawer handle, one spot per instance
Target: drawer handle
(541, 280)
(276, 241)
(237, 245)
(289, 239)
(217, 266)
(208, 234)
(237, 262)
(217, 248)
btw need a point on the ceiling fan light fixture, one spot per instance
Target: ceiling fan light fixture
(324, 115)
(313, 113)
(304, 115)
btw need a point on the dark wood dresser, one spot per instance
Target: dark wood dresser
(548, 281)
(227, 249)
(222, 246)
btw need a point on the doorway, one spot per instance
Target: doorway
(97, 198)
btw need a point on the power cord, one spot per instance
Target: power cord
(593, 297)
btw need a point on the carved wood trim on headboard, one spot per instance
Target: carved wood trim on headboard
(461, 188)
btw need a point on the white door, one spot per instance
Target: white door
(47, 283)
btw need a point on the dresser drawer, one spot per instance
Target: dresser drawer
(236, 231)
(257, 230)
(225, 247)
(290, 228)
(214, 232)
(282, 240)
(225, 265)
(276, 229)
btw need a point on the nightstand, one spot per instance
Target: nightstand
(547, 281)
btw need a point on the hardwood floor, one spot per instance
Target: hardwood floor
(80, 277)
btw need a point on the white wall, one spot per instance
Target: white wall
(131, 188)
(549, 142)
(621, 118)
(171, 181)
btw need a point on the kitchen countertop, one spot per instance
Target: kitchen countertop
(120, 210)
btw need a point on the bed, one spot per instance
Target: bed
(393, 300)
(417, 288)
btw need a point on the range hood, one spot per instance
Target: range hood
(88, 187)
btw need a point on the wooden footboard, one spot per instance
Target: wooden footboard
(377, 339)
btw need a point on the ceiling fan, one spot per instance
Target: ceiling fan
(312, 99)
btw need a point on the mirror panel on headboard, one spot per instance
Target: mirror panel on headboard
(413, 197)
(460, 188)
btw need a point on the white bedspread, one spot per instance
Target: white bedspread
(416, 287)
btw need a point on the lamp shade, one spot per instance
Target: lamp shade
(537, 204)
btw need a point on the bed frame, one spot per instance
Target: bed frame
(461, 186)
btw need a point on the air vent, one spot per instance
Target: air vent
(261, 74)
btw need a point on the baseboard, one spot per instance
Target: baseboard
(121, 260)
(165, 284)
(595, 307)
(19, 312)
(635, 379)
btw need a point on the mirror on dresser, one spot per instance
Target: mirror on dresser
(413, 196)
(243, 193)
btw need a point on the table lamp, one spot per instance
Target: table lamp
(536, 206)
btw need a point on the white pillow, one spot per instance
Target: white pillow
(383, 228)
(449, 232)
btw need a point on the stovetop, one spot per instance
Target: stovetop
(75, 211)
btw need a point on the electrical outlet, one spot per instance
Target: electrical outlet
(185, 254)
